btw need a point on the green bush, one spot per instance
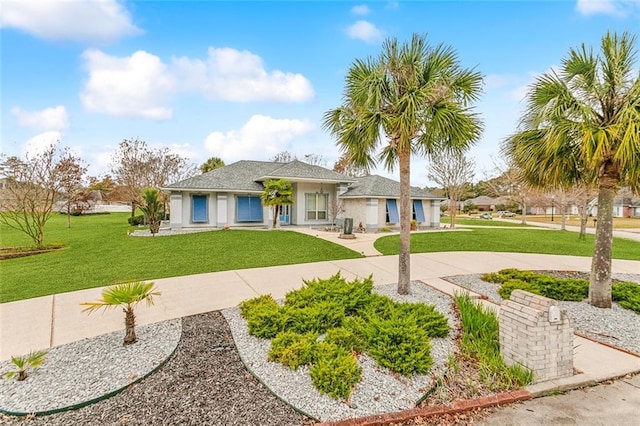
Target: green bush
(264, 317)
(346, 338)
(293, 349)
(507, 288)
(136, 220)
(335, 372)
(509, 274)
(317, 318)
(353, 296)
(399, 344)
(627, 294)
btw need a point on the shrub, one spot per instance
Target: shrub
(317, 318)
(509, 274)
(335, 372)
(507, 288)
(263, 316)
(627, 294)
(24, 363)
(399, 344)
(352, 296)
(136, 220)
(293, 349)
(346, 338)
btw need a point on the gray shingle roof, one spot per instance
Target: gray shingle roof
(247, 176)
(301, 170)
(377, 186)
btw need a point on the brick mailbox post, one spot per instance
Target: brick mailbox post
(535, 333)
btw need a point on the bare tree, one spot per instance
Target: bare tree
(315, 159)
(511, 184)
(346, 167)
(336, 209)
(453, 171)
(283, 157)
(71, 170)
(583, 196)
(135, 167)
(31, 189)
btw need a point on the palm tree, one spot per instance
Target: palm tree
(25, 362)
(127, 296)
(211, 164)
(412, 99)
(277, 193)
(151, 209)
(582, 126)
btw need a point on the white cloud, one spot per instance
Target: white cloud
(78, 20)
(361, 9)
(260, 136)
(39, 143)
(619, 8)
(134, 86)
(239, 76)
(55, 118)
(364, 30)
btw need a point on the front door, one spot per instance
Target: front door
(285, 214)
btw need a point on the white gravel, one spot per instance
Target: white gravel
(379, 391)
(617, 326)
(72, 375)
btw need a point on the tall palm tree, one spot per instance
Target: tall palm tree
(582, 126)
(211, 164)
(127, 296)
(277, 193)
(412, 99)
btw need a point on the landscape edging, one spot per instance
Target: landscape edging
(453, 408)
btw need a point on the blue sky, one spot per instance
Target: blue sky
(246, 80)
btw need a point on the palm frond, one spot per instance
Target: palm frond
(127, 294)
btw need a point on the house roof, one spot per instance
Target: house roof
(248, 176)
(299, 170)
(382, 187)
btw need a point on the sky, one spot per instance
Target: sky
(246, 80)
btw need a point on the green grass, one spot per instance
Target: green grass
(445, 220)
(98, 253)
(507, 240)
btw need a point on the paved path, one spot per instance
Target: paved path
(631, 234)
(53, 320)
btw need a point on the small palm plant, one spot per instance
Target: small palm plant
(127, 296)
(23, 363)
(151, 208)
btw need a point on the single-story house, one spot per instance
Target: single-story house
(230, 196)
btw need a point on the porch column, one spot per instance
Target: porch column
(176, 211)
(372, 214)
(435, 214)
(221, 217)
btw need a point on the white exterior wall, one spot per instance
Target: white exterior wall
(299, 216)
(433, 217)
(176, 210)
(355, 208)
(181, 210)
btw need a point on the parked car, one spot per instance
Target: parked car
(485, 215)
(504, 213)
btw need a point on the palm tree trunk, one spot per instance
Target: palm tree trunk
(600, 282)
(404, 266)
(130, 326)
(276, 210)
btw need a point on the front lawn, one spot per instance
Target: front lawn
(507, 240)
(99, 252)
(476, 221)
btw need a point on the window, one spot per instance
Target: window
(317, 206)
(248, 209)
(199, 209)
(392, 211)
(418, 211)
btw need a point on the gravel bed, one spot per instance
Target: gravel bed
(379, 391)
(617, 326)
(88, 369)
(203, 383)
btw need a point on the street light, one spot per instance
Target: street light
(551, 209)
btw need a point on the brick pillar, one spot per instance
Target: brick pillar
(535, 333)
